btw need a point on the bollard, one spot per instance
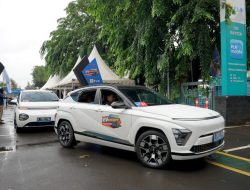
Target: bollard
(197, 102)
(206, 103)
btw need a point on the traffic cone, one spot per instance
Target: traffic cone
(206, 103)
(197, 102)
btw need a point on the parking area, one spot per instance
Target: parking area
(35, 157)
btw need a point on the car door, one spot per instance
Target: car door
(114, 123)
(85, 111)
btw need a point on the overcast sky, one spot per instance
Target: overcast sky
(24, 25)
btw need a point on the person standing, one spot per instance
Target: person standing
(2, 97)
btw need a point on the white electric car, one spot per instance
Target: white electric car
(35, 108)
(136, 118)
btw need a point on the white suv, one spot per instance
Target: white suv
(138, 119)
(35, 108)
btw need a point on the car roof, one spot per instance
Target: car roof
(117, 86)
(36, 91)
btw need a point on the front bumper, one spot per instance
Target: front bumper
(201, 142)
(194, 155)
(32, 121)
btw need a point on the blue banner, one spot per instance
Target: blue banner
(92, 74)
(233, 48)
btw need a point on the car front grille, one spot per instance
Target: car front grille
(34, 124)
(206, 147)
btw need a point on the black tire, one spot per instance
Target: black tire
(18, 129)
(153, 149)
(66, 135)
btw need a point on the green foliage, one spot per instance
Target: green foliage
(142, 39)
(13, 84)
(75, 36)
(40, 76)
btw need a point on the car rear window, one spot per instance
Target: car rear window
(35, 96)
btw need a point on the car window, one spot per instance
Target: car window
(141, 97)
(67, 99)
(75, 95)
(87, 96)
(36, 96)
(109, 96)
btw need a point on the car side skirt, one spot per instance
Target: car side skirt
(96, 138)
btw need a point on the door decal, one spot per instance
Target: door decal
(112, 121)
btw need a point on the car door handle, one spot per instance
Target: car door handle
(72, 108)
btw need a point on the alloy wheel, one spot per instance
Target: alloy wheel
(153, 149)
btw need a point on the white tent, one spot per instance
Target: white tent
(52, 81)
(108, 76)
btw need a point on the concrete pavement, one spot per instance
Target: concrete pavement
(37, 161)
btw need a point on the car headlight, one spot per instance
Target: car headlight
(181, 136)
(23, 117)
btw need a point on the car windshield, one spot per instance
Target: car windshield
(35, 96)
(144, 97)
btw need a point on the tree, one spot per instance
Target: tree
(40, 76)
(29, 86)
(145, 39)
(75, 36)
(13, 84)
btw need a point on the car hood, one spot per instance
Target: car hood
(39, 105)
(180, 112)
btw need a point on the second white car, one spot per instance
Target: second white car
(35, 108)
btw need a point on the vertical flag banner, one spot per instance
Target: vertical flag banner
(92, 74)
(78, 70)
(1, 68)
(233, 47)
(88, 73)
(6, 80)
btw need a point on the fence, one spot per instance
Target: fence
(192, 91)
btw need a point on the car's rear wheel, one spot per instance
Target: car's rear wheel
(153, 150)
(66, 134)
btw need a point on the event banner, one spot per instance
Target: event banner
(233, 47)
(87, 72)
(92, 74)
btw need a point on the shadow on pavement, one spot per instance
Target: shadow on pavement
(36, 130)
(184, 165)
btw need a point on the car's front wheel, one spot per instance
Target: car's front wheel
(18, 129)
(153, 150)
(66, 135)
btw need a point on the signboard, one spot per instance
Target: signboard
(233, 47)
(87, 73)
(92, 74)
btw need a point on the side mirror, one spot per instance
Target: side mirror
(119, 105)
(13, 102)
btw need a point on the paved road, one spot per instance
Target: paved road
(37, 161)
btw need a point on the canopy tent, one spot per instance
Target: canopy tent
(52, 81)
(108, 76)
